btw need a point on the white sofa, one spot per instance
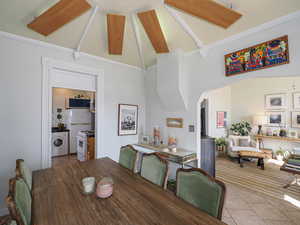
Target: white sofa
(235, 145)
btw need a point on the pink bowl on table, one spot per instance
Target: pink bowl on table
(105, 187)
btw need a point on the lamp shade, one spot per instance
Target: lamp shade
(259, 120)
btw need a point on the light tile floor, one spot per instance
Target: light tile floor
(245, 207)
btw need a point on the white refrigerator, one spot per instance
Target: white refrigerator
(77, 120)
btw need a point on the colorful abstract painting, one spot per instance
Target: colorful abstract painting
(264, 55)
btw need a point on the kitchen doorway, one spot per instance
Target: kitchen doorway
(73, 125)
(74, 77)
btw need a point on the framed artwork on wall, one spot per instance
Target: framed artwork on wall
(296, 100)
(175, 122)
(295, 119)
(221, 119)
(276, 118)
(275, 101)
(128, 119)
(267, 54)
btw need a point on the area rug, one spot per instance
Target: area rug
(269, 181)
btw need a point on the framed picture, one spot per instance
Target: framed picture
(276, 119)
(293, 134)
(221, 119)
(268, 54)
(128, 119)
(275, 101)
(295, 119)
(296, 100)
(175, 122)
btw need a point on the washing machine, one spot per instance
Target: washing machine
(60, 143)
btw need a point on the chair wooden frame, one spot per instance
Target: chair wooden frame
(136, 156)
(223, 194)
(164, 161)
(18, 168)
(11, 205)
(5, 220)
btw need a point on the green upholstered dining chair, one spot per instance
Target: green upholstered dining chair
(23, 171)
(128, 157)
(19, 202)
(155, 169)
(201, 190)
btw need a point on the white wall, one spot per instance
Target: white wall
(248, 99)
(218, 100)
(207, 73)
(21, 91)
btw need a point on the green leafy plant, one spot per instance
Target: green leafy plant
(221, 142)
(242, 128)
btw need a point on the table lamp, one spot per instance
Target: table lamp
(259, 120)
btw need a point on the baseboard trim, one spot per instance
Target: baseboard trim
(3, 211)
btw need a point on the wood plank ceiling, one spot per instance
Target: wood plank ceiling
(208, 10)
(153, 29)
(60, 14)
(115, 32)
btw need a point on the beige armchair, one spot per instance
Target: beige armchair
(241, 143)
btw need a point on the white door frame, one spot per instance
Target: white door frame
(48, 66)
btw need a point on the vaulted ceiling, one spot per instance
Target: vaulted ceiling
(16, 14)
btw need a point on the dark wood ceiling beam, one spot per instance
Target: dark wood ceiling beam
(115, 32)
(58, 15)
(208, 10)
(152, 27)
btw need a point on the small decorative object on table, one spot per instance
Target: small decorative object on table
(105, 187)
(293, 134)
(172, 143)
(145, 139)
(282, 133)
(275, 133)
(156, 136)
(259, 120)
(88, 184)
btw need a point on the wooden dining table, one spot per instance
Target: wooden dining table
(58, 199)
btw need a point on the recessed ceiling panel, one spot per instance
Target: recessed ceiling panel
(115, 32)
(60, 14)
(207, 10)
(152, 27)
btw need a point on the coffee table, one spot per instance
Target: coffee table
(254, 155)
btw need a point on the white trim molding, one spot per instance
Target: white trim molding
(48, 66)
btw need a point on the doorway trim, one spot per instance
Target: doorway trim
(48, 66)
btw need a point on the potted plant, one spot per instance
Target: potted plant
(221, 144)
(242, 128)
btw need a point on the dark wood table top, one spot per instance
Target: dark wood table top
(58, 199)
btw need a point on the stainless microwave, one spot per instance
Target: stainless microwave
(80, 103)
